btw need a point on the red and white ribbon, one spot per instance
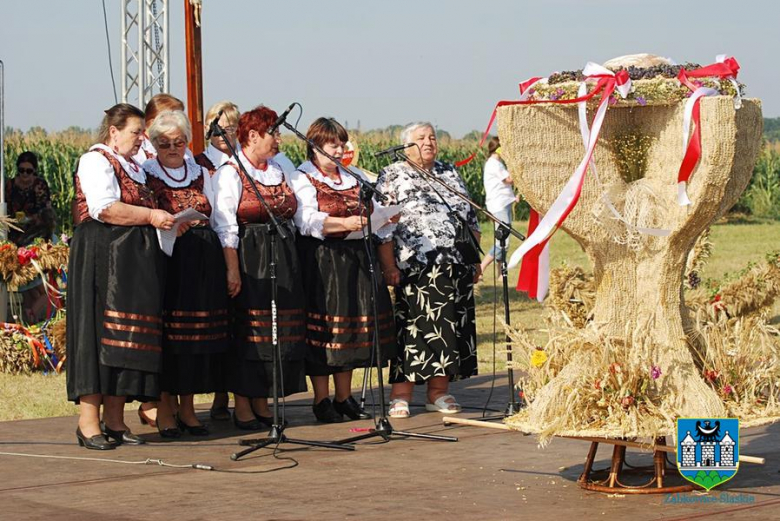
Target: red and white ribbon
(608, 82)
(535, 263)
(724, 68)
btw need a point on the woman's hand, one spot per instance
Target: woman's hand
(233, 282)
(161, 219)
(477, 272)
(354, 223)
(392, 276)
(183, 228)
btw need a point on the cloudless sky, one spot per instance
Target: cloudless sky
(374, 62)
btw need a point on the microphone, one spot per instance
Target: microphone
(393, 150)
(213, 126)
(281, 119)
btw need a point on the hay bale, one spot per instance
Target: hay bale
(638, 285)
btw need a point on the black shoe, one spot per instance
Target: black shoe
(170, 432)
(221, 414)
(251, 425)
(123, 437)
(351, 409)
(325, 412)
(193, 430)
(96, 442)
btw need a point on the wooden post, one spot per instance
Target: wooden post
(194, 78)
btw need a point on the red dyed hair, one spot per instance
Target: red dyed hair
(257, 119)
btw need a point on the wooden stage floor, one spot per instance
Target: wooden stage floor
(488, 474)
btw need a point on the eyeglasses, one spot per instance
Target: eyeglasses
(231, 130)
(176, 144)
(26, 171)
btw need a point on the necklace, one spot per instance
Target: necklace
(335, 181)
(262, 168)
(170, 176)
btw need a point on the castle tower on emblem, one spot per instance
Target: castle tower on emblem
(689, 451)
(727, 451)
(707, 454)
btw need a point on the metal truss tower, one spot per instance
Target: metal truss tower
(145, 48)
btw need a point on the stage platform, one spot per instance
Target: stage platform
(488, 474)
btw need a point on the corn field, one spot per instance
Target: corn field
(59, 152)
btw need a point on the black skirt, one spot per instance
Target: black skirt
(196, 333)
(251, 359)
(436, 323)
(339, 314)
(114, 319)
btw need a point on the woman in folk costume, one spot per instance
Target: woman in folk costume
(217, 152)
(158, 104)
(196, 329)
(435, 316)
(242, 224)
(339, 325)
(115, 287)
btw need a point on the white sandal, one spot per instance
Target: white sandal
(444, 405)
(399, 409)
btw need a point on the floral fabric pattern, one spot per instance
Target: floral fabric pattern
(425, 233)
(435, 324)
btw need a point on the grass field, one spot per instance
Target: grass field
(735, 245)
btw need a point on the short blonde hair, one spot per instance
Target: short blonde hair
(228, 108)
(406, 133)
(167, 121)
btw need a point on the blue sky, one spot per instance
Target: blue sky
(376, 62)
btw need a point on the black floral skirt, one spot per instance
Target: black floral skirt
(435, 321)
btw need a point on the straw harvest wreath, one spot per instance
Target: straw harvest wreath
(676, 148)
(24, 349)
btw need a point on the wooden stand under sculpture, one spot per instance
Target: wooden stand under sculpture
(639, 285)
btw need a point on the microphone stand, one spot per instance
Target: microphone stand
(276, 435)
(502, 233)
(382, 428)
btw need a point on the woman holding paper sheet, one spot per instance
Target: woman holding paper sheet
(196, 334)
(115, 286)
(242, 223)
(435, 315)
(339, 321)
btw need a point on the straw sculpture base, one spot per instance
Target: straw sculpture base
(619, 472)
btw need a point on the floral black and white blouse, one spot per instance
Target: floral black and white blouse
(425, 233)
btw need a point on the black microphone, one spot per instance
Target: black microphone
(393, 150)
(280, 119)
(213, 126)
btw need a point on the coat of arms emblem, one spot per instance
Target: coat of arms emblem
(708, 450)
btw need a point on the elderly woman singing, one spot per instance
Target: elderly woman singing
(115, 291)
(195, 331)
(242, 223)
(434, 286)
